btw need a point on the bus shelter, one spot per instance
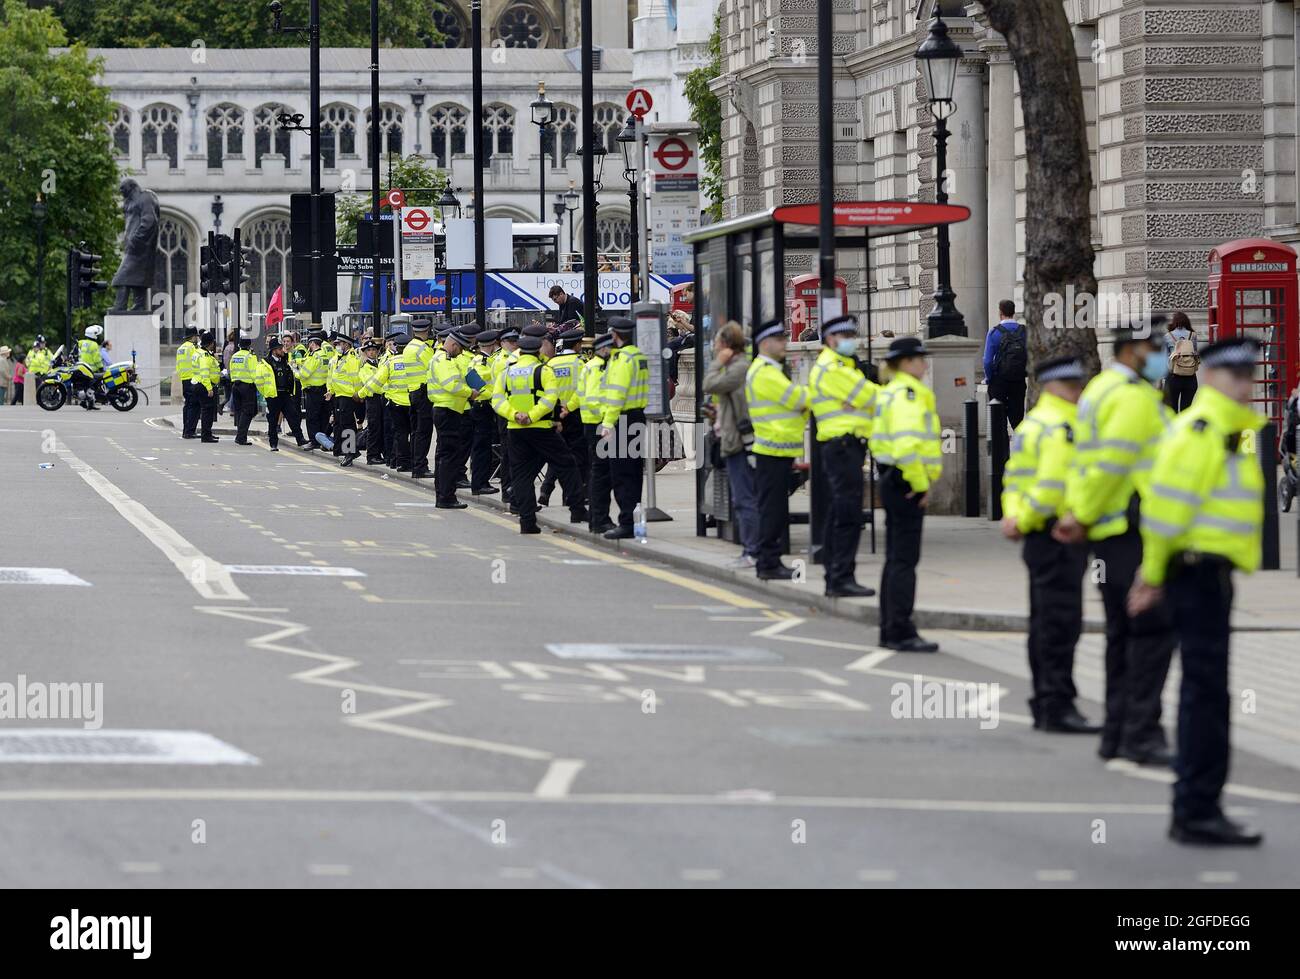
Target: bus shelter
(740, 275)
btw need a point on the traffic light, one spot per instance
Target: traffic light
(206, 260)
(244, 261)
(83, 268)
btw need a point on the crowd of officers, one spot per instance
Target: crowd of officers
(1166, 507)
(508, 401)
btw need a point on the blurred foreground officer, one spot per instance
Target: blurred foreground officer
(591, 406)
(344, 382)
(313, 371)
(1042, 453)
(377, 434)
(419, 357)
(1122, 418)
(1201, 517)
(243, 380)
(905, 442)
(481, 463)
(449, 393)
(185, 371)
(624, 434)
(206, 372)
(843, 401)
(778, 409)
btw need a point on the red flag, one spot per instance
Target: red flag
(275, 311)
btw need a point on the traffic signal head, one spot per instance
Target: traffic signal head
(206, 258)
(245, 260)
(84, 283)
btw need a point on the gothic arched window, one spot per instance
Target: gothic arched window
(562, 137)
(338, 133)
(225, 133)
(268, 135)
(613, 233)
(609, 123)
(498, 130)
(268, 236)
(390, 130)
(447, 126)
(120, 132)
(159, 131)
(171, 273)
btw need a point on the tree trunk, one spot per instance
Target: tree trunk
(1058, 220)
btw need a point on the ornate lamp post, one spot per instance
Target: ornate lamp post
(543, 110)
(38, 215)
(629, 141)
(571, 199)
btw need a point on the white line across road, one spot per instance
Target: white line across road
(208, 577)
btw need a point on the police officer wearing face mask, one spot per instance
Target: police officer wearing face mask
(1121, 422)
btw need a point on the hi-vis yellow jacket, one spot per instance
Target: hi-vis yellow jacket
(906, 431)
(835, 382)
(626, 385)
(1121, 421)
(184, 361)
(344, 378)
(589, 384)
(205, 369)
(314, 370)
(418, 355)
(447, 386)
(529, 386)
(1041, 455)
(1206, 492)
(264, 378)
(778, 409)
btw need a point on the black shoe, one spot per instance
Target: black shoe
(619, 533)
(376, 462)
(402, 469)
(1067, 722)
(1155, 755)
(184, 436)
(514, 509)
(275, 448)
(530, 529)
(779, 573)
(603, 526)
(308, 446)
(244, 442)
(578, 516)
(485, 491)
(209, 438)
(422, 474)
(851, 590)
(1216, 831)
(543, 501)
(914, 645)
(347, 461)
(462, 484)
(455, 505)
(302, 443)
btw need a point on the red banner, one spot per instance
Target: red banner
(863, 214)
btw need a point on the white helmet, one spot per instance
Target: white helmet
(94, 332)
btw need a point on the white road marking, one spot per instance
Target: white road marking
(295, 569)
(701, 874)
(867, 663)
(557, 781)
(1218, 877)
(124, 746)
(1125, 767)
(208, 577)
(872, 875)
(40, 576)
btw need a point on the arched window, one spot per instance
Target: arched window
(613, 233)
(171, 273)
(159, 129)
(119, 131)
(268, 236)
(498, 130)
(447, 125)
(268, 136)
(450, 23)
(390, 130)
(225, 133)
(523, 25)
(562, 137)
(338, 133)
(609, 123)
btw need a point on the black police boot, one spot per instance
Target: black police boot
(1155, 754)
(779, 573)
(619, 533)
(913, 645)
(603, 526)
(1068, 721)
(529, 528)
(1216, 831)
(485, 491)
(851, 590)
(578, 515)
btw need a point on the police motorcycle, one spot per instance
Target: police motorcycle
(70, 381)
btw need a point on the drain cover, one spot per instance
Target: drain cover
(44, 746)
(683, 654)
(39, 576)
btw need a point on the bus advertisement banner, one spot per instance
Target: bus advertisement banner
(523, 290)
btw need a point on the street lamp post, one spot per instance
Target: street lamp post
(939, 55)
(448, 202)
(38, 215)
(559, 209)
(480, 255)
(590, 280)
(571, 206)
(543, 110)
(595, 152)
(629, 141)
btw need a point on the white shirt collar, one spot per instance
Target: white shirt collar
(1124, 369)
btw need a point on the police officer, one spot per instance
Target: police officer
(390, 381)
(527, 395)
(285, 402)
(567, 365)
(506, 354)
(372, 399)
(243, 380)
(481, 413)
(313, 372)
(905, 443)
(625, 391)
(206, 372)
(1122, 418)
(189, 389)
(778, 409)
(1033, 498)
(449, 393)
(1202, 516)
(591, 407)
(843, 401)
(342, 388)
(419, 354)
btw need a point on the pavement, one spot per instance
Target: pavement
(310, 677)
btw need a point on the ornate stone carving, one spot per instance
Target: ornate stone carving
(1198, 191)
(1223, 226)
(1208, 21)
(1210, 157)
(1174, 259)
(1178, 295)
(1204, 55)
(1235, 88)
(1192, 124)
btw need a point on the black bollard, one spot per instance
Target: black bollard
(1271, 557)
(972, 424)
(999, 449)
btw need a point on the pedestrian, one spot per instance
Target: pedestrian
(419, 355)
(190, 396)
(480, 377)
(284, 404)
(449, 394)
(6, 374)
(20, 378)
(591, 407)
(1033, 499)
(568, 308)
(724, 381)
(843, 401)
(207, 373)
(243, 382)
(1006, 363)
(1182, 348)
(313, 372)
(567, 366)
(905, 443)
(341, 390)
(624, 435)
(1121, 422)
(1201, 518)
(778, 409)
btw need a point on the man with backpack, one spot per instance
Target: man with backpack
(1006, 363)
(1184, 362)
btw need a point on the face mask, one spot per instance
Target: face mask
(846, 347)
(1155, 367)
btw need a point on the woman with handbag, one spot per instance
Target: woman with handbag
(725, 381)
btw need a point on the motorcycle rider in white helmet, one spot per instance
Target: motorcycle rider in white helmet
(90, 354)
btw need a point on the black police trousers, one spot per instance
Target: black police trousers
(285, 404)
(1055, 620)
(772, 479)
(481, 463)
(904, 519)
(207, 409)
(400, 415)
(345, 426)
(507, 468)
(245, 400)
(530, 450)
(575, 437)
(449, 425)
(842, 460)
(598, 484)
(390, 453)
(193, 393)
(376, 430)
(627, 453)
(1200, 596)
(1138, 650)
(315, 408)
(421, 429)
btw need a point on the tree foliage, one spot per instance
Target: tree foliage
(406, 173)
(54, 117)
(706, 110)
(240, 23)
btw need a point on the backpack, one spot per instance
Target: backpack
(1184, 360)
(1011, 362)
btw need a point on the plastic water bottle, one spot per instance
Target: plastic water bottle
(47, 465)
(638, 523)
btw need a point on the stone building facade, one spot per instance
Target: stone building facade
(1191, 108)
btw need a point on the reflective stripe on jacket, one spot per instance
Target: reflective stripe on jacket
(1042, 453)
(778, 409)
(837, 381)
(626, 384)
(905, 432)
(184, 360)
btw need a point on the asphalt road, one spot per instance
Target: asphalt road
(414, 724)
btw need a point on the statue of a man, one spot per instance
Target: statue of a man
(134, 276)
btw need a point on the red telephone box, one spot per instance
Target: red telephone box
(1253, 292)
(682, 296)
(803, 300)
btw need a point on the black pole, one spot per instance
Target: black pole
(944, 320)
(1271, 557)
(999, 449)
(972, 410)
(374, 166)
(589, 272)
(237, 268)
(541, 159)
(67, 308)
(313, 29)
(480, 285)
(826, 150)
(634, 267)
(40, 277)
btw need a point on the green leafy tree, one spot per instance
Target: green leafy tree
(706, 110)
(55, 118)
(241, 23)
(404, 174)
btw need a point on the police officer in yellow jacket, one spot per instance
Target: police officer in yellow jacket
(481, 462)
(1122, 418)
(1033, 499)
(189, 389)
(567, 365)
(778, 409)
(420, 351)
(341, 389)
(205, 370)
(591, 408)
(843, 401)
(507, 351)
(371, 399)
(624, 433)
(1202, 516)
(243, 380)
(905, 443)
(313, 372)
(390, 381)
(449, 393)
